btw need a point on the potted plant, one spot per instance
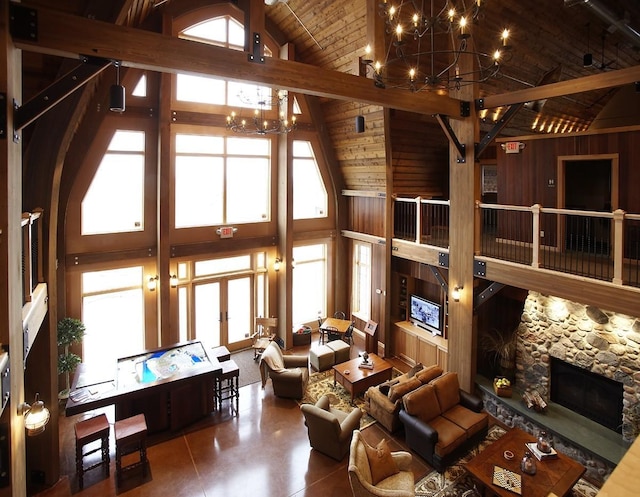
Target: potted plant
(70, 331)
(501, 347)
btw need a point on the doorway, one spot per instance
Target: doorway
(223, 312)
(587, 183)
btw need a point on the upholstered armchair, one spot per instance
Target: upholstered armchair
(330, 429)
(400, 484)
(289, 373)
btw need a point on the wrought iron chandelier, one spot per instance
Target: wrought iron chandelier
(267, 103)
(424, 46)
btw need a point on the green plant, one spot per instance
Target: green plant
(70, 331)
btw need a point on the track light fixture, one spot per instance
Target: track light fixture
(117, 93)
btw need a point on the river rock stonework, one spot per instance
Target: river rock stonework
(594, 339)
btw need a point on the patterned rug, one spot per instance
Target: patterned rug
(322, 383)
(455, 481)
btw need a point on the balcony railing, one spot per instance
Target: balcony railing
(31, 254)
(598, 245)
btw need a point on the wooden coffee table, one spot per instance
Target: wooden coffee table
(356, 380)
(553, 477)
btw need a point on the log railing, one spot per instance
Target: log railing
(598, 245)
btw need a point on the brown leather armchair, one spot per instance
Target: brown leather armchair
(289, 373)
(330, 429)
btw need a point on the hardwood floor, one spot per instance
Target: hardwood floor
(263, 451)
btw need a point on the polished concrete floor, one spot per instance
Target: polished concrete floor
(263, 451)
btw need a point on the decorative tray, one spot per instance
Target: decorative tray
(507, 480)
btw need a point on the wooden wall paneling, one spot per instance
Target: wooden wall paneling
(523, 179)
(420, 166)
(427, 353)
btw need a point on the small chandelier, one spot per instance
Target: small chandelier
(423, 49)
(267, 101)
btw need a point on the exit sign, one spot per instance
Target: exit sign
(226, 232)
(513, 147)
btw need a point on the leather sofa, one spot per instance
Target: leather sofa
(441, 421)
(330, 430)
(383, 402)
(289, 373)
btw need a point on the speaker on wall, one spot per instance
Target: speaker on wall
(360, 124)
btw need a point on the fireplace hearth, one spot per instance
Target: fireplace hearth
(588, 394)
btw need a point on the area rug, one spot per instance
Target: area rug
(249, 369)
(455, 481)
(322, 383)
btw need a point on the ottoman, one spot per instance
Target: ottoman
(321, 358)
(341, 351)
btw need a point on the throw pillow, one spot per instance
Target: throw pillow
(381, 461)
(384, 387)
(412, 372)
(397, 391)
(428, 374)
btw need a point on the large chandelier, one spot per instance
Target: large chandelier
(424, 46)
(267, 104)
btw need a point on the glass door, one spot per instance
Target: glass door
(223, 312)
(208, 314)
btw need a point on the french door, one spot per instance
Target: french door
(222, 312)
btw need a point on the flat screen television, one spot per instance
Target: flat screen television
(426, 314)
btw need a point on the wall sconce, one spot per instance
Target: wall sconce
(456, 293)
(152, 283)
(117, 93)
(36, 416)
(276, 264)
(173, 280)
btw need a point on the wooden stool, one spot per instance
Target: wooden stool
(87, 431)
(221, 353)
(131, 436)
(227, 385)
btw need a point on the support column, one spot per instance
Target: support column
(10, 251)
(464, 191)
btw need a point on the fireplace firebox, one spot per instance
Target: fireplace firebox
(589, 394)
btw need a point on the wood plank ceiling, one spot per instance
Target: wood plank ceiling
(549, 37)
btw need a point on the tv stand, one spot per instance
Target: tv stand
(414, 344)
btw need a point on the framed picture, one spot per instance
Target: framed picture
(371, 327)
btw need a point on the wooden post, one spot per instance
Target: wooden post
(535, 211)
(618, 246)
(11, 251)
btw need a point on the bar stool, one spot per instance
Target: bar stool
(227, 385)
(131, 436)
(87, 431)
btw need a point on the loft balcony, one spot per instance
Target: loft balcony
(584, 255)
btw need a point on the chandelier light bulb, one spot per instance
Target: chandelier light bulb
(392, 12)
(412, 74)
(399, 32)
(415, 19)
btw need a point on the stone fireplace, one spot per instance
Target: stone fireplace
(597, 341)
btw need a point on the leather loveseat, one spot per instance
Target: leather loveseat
(383, 402)
(441, 421)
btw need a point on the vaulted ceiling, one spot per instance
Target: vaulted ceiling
(549, 40)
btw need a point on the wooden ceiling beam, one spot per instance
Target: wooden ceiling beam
(594, 82)
(73, 36)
